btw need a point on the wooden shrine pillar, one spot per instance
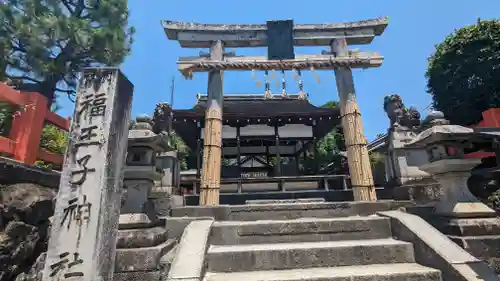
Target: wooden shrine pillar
(267, 154)
(296, 154)
(198, 155)
(278, 156)
(212, 146)
(238, 148)
(315, 147)
(304, 156)
(357, 154)
(304, 151)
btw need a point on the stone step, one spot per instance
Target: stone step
(376, 272)
(309, 210)
(140, 238)
(252, 257)
(484, 247)
(300, 230)
(142, 259)
(253, 212)
(285, 201)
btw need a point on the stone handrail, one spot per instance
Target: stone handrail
(189, 261)
(434, 249)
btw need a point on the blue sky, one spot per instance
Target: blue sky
(414, 28)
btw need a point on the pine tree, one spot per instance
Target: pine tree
(45, 43)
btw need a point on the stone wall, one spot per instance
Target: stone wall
(26, 204)
(12, 172)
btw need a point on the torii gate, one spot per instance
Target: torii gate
(280, 37)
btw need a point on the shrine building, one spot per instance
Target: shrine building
(259, 132)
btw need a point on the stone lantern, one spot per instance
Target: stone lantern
(141, 170)
(142, 238)
(444, 145)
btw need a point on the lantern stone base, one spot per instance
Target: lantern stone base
(460, 215)
(143, 248)
(457, 201)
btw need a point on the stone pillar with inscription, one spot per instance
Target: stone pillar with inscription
(82, 243)
(142, 239)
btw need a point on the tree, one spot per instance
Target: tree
(183, 151)
(337, 134)
(329, 148)
(376, 158)
(45, 43)
(53, 140)
(464, 72)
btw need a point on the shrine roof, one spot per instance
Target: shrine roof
(248, 106)
(257, 109)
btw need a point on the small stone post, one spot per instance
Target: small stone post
(82, 242)
(357, 154)
(166, 193)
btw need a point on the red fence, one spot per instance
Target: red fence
(491, 118)
(23, 142)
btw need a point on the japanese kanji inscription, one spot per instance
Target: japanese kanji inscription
(82, 242)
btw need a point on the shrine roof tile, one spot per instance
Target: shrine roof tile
(260, 106)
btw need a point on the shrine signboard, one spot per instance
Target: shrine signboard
(83, 235)
(254, 175)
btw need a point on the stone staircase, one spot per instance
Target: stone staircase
(354, 248)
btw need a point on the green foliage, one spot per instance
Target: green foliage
(47, 42)
(329, 148)
(464, 72)
(494, 201)
(376, 158)
(334, 141)
(377, 161)
(330, 104)
(53, 139)
(226, 162)
(6, 112)
(183, 150)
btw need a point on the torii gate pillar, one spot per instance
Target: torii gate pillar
(357, 153)
(212, 145)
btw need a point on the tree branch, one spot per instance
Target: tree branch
(71, 94)
(68, 6)
(67, 91)
(23, 77)
(81, 8)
